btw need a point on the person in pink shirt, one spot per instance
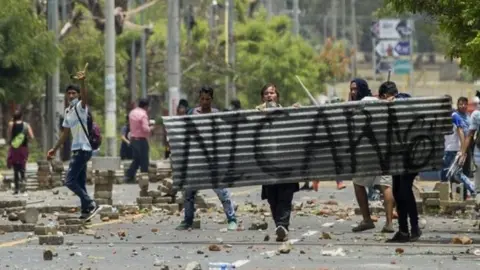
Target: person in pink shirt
(139, 132)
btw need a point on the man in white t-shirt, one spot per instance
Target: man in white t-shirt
(75, 116)
(359, 91)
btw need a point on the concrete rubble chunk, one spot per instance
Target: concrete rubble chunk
(462, 240)
(47, 255)
(285, 248)
(159, 264)
(45, 230)
(13, 217)
(144, 200)
(52, 240)
(193, 266)
(258, 225)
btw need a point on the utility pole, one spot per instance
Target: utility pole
(64, 11)
(334, 18)
(344, 20)
(110, 80)
(143, 52)
(133, 63)
(354, 38)
(212, 22)
(296, 21)
(173, 56)
(269, 8)
(229, 51)
(53, 83)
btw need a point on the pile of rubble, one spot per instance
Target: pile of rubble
(445, 199)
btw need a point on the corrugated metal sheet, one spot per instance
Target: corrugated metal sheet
(233, 149)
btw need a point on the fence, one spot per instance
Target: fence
(245, 148)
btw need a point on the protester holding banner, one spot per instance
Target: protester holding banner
(402, 185)
(206, 98)
(279, 196)
(359, 90)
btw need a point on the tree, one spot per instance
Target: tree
(26, 51)
(457, 20)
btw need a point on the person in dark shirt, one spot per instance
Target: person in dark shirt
(402, 185)
(18, 151)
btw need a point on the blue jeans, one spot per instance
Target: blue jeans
(448, 159)
(76, 178)
(224, 196)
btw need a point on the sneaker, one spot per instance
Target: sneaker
(415, 235)
(232, 226)
(282, 234)
(399, 237)
(341, 186)
(183, 226)
(363, 226)
(388, 228)
(92, 212)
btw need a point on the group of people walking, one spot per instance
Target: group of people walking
(396, 189)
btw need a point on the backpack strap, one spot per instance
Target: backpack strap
(81, 123)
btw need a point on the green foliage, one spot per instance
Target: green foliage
(268, 52)
(457, 20)
(27, 51)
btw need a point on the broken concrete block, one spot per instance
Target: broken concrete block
(70, 229)
(13, 203)
(144, 200)
(45, 230)
(103, 194)
(52, 240)
(104, 201)
(431, 202)
(193, 266)
(74, 221)
(6, 228)
(168, 183)
(47, 255)
(430, 195)
(450, 207)
(110, 215)
(99, 187)
(444, 190)
(30, 215)
(27, 227)
(259, 225)
(167, 199)
(171, 207)
(104, 182)
(154, 193)
(143, 193)
(13, 217)
(145, 206)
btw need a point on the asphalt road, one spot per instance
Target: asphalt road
(151, 240)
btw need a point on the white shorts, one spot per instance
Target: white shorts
(371, 181)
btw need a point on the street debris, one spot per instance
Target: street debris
(214, 247)
(193, 266)
(339, 252)
(462, 240)
(47, 255)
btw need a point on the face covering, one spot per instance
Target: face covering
(73, 102)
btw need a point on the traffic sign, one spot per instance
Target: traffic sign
(392, 29)
(392, 48)
(402, 67)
